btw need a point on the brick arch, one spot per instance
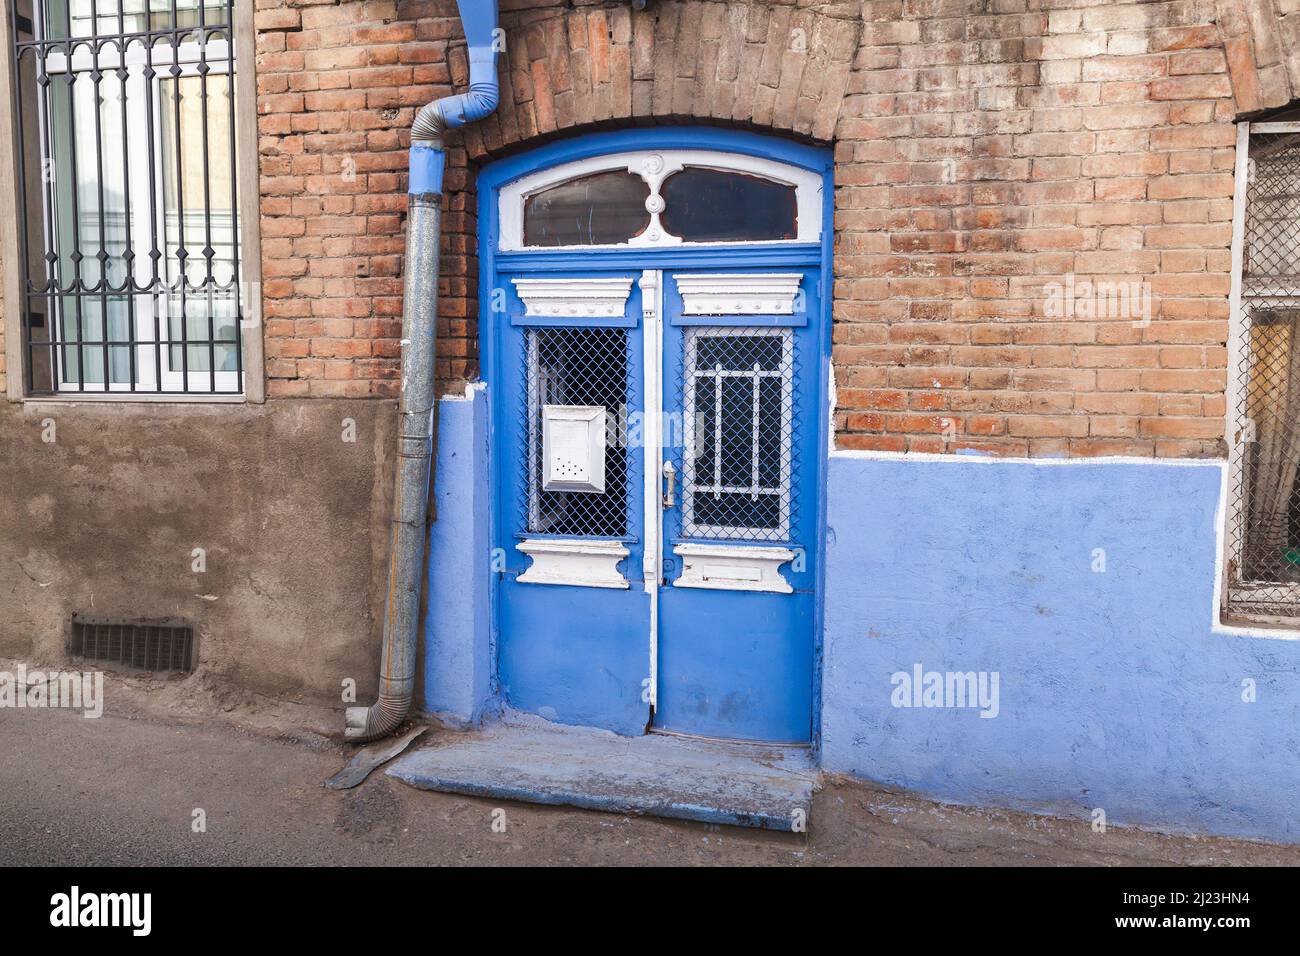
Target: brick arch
(1261, 39)
(743, 62)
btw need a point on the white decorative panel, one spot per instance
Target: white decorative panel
(573, 448)
(590, 564)
(574, 298)
(723, 567)
(739, 294)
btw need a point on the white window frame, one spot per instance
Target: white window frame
(244, 84)
(655, 166)
(1236, 507)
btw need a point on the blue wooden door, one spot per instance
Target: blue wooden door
(573, 619)
(737, 603)
(663, 284)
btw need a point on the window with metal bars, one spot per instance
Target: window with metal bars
(128, 196)
(577, 367)
(1263, 535)
(737, 460)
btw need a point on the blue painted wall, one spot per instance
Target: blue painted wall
(457, 650)
(1115, 692)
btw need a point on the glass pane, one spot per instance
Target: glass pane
(91, 213)
(708, 205)
(740, 352)
(199, 220)
(1272, 544)
(770, 392)
(600, 209)
(738, 510)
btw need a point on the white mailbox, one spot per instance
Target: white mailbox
(573, 448)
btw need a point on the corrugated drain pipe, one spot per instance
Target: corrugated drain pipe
(419, 327)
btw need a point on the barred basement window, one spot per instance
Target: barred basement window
(125, 112)
(1263, 533)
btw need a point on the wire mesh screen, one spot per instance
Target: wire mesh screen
(577, 367)
(127, 200)
(737, 462)
(1264, 540)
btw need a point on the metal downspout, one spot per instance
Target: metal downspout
(419, 352)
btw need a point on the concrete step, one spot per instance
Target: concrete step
(529, 759)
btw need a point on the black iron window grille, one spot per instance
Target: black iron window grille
(1263, 535)
(128, 196)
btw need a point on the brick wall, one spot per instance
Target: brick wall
(987, 159)
(337, 87)
(1262, 44)
(984, 160)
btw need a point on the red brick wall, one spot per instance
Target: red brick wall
(981, 157)
(984, 159)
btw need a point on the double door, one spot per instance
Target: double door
(657, 471)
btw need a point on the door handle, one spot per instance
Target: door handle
(670, 477)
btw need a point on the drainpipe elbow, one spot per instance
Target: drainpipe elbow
(363, 724)
(451, 112)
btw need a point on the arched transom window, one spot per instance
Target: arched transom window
(662, 198)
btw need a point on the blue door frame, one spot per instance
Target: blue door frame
(583, 662)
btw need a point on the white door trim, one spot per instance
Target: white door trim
(652, 440)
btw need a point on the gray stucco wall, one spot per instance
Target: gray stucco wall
(105, 518)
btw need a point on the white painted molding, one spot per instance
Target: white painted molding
(739, 293)
(574, 297)
(652, 449)
(582, 563)
(733, 567)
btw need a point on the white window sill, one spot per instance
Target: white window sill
(165, 398)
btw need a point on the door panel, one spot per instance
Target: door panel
(572, 652)
(737, 606)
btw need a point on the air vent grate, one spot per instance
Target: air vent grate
(151, 646)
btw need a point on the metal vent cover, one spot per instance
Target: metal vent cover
(147, 645)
